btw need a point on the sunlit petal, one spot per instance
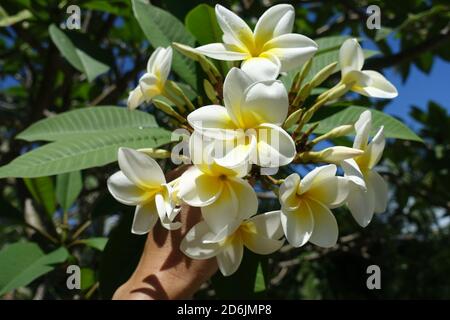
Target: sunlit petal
(194, 246)
(325, 233)
(230, 257)
(298, 225)
(141, 169)
(292, 49)
(145, 218)
(351, 56)
(125, 191)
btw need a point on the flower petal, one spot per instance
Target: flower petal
(212, 121)
(362, 128)
(351, 56)
(358, 78)
(275, 146)
(141, 169)
(288, 192)
(379, 87)
(160, 65)
(150, 86)
(298, 225)
(145, 218)
(235, 30)
(325, 233)
(292, 49)
(264, 102)
(125, 191)
(353, 173)
(277, 20)
(135, 98)
(316, 176)
(261, 245)
(380, 191)
(221, 51)
(376, 147)
(361, 204)
(332, 191)
(262, 68)
(194, 246)
(163, 214)
(246, 197)
(235, 153)
(235, 84)
(230, 257)
(223, 212)
(198, 189)
(268, 224)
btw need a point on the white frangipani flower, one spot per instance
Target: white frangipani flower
(260, 234)
(152, 82)
(270, 49)
(222, 194)
(248, 128)
(368, 191)
(366, 82)
(141, 183)
(306, 203)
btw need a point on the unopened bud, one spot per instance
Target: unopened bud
(323, 74)
(156, 153)
(210, 91)
(166, 108)
(331, 155)
(293, 118)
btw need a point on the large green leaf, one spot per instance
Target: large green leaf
(330, 43)
(202, 23)
(331, 117)
(91, 120)
(80, 52)
(161, 29)
(43, 191)
(82, 151)
(120, 256)
(22, 262)
(68, 187)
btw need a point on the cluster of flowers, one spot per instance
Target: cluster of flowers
(248, 130)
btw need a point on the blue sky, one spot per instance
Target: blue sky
(419, 88)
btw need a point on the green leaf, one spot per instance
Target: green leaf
(91, 121)
(96, 243)
(161, 29)
(118, 8)
(83, 54)
(202, 23)
(260, 281)
(333, 116)
(82, 151)
(23, 262)
(245, 276)
(68, 187)
(87, 278)
(120, 257)
(43, 192)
